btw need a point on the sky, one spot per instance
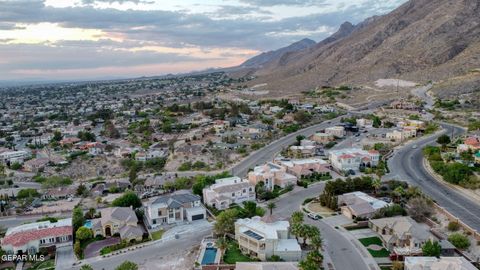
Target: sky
(96, 39)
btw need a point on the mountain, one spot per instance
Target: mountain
(421, 40)
(264, 58)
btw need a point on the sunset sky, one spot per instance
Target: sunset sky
(96, 39)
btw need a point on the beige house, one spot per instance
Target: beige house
(272, 175)
(358, 204)
(227, 191)
(401, 235)
(120, 221)
(305, 167)
(322, 138)
(263, 237)
(336, 131)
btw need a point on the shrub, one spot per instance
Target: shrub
(453, 226)
(459, 240)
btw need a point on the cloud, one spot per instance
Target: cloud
(132, 37)
(270, 3)
(90, 2)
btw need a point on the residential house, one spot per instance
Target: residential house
(173, 208)
(359, 205)
(344, 160)
(401, 235)
(322, 138)
(364, 123)
(305, 167)
(29, 238)
(434, 263)
(35, 165)
(264, 237)
(226, 191)
(59, 193)
(120, 221)
(336, 131)
(271, 175)
(10, 157)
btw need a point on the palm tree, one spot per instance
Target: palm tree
(316, 242)
(86, 267)
(221, 244)
(271, 206)
(376, 184)
(297, 217)
(398, 192)
(296, 229)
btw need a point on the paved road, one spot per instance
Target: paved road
(269, 151)
(341, 251)
(406, 164)
(64, 258)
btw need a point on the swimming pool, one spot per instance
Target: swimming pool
(88, 223)
(209, 255)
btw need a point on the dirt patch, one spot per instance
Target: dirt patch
(394, 82)
(173, 262)
(318, 209)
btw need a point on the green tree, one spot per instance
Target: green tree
(28, 193)
(271, 206)
(376, 184)
(57, 136)
(86, 267)
(376, 122)
(443, 140)
(77, 248)
(431, 248)
(83, 233)
(225, 222)
(297, 217)
(77, 218)
(82, 190)
(250, 208)
(128, 199)
(127, 265)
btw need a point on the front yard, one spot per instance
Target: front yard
(45, 265)
(375, 246)
(157, 235)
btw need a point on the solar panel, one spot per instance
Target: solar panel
(253, 235)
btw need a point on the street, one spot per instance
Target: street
(268, 152)
(342, 252)
(406, 164)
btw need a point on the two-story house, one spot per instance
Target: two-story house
(401, 235)
(173, 208)
(263, 237)
(227, 191)
(271, 175)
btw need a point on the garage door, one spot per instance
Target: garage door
(197, 217)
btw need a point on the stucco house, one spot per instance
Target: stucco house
(263, 237)
(173, 209)
(229, 190)
(120, 221)
(272, 175)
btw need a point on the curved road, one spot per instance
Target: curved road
(407, 164)
(268, 152)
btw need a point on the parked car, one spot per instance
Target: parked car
(313, 216)
(414, 146)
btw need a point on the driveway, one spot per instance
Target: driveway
(187, 228)
(64, 258)
(94, 248)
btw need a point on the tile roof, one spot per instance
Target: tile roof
(21, 238)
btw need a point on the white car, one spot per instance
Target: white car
(414, 146)
(313, 216)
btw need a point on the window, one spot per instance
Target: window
(244, 191)
(233, 194)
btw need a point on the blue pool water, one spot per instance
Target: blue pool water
(88, 224)
(209, 255)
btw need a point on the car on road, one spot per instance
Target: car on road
(414, 146)
(313, 216)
